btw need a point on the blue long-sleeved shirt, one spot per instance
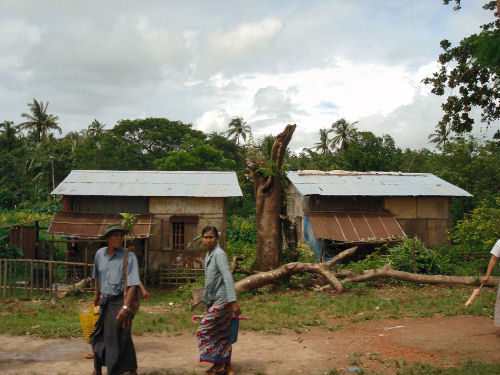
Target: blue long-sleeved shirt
(219, 284)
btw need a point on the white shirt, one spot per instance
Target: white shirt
(496, 249)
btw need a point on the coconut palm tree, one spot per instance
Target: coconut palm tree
(95, 128)
(441, 135)
(238, 128)
(39, 121)
(345, 132)
(324, 143)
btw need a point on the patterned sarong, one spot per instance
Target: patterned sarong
(213, 334)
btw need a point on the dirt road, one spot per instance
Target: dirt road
(375, 345)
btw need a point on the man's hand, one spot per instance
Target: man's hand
(97, 298)
(122, 315)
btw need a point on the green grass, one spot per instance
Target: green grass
(269, 311)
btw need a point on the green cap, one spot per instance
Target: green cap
(114, 228)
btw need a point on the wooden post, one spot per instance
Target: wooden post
(413, 255)
(55, 281)
(146, 242)
(25, 278)
(31, 280)
(86, 261)
(4, 277)
(13, 278)
(43, 278)
(38, 280)
(51, 257)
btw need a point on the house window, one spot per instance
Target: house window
(184, 229)
(179, 235)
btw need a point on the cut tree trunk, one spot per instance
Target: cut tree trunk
(270, 277)
(268, 190)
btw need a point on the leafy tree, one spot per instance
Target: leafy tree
(472, 71)
(194, 155)
(309, 159)
(229, 148)
(476, 234)
(8, 135)
(265, 146)
(441, 136)
(323, 145)
(155, 136)
(39, 121)
(345, 132)
(238, 128)
(367, 152)
(470, 164)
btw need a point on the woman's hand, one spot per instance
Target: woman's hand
(236, 309)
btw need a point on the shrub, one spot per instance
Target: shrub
(428, 261)
(474, 236)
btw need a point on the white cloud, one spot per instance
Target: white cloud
(213, 121)
(271, 63)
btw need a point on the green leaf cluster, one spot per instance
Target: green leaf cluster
(474, 235)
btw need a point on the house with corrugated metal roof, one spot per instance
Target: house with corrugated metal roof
(335, 209)
(172, 208)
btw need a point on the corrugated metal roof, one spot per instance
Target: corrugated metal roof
(150, 184)
(394, 184)
(92, 225)
(356, 227)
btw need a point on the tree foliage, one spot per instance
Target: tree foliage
(471, 72)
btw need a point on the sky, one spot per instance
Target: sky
(204, 62)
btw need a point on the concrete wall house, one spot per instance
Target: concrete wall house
(341, 208)
(172, 209)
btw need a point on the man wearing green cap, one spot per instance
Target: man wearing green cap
(111, 341)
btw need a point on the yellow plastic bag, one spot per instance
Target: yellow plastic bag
(88, 318)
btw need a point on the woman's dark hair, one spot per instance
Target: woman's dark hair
(209, 228)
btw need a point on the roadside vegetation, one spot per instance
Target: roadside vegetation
(270, 310)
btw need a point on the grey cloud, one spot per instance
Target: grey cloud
(101, 64)
(275, 103)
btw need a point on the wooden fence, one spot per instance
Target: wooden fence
(35, 279)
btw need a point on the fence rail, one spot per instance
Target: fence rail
(35, 279)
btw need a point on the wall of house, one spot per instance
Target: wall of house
(296, 205)
(196, 213)
(429, 218)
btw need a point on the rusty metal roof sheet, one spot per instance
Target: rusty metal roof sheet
(150, 184)
(395, 184)
(92, 225)
(356, 227)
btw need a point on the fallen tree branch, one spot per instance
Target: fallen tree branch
(269, 277)
(387, 272)
(261, 279)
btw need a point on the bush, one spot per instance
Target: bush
(474, 236)
(427, 261)
(240, 229)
